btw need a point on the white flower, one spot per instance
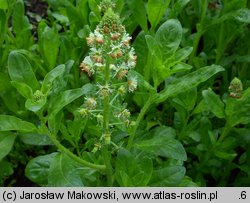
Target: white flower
(132, 84)
(88, 61)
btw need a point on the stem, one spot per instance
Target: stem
(73, 156)
(106, 112)
(225, 132)
(138, 120)
(221, 44)
(200, 31)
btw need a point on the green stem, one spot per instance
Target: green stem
(225, 132)
(73, 156)
(106, 112)
(221, 44)
(138, 120)
(200, 32)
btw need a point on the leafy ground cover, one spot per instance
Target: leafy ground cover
(124, 93)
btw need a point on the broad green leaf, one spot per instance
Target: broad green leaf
(187, 82)
(48, 40)
(3, 4)
(6, 143)
(187, 182)
(61, 81)
(6, 169)
(187, 99)
(67, 97)
(181, 67)
(35, 106)
(13, 123)
(35, 139)
(238, 110)
(215, 105)
(156, 9)
(141, 50)
(94, 7)
(179, 55)
(178, 6)
(140, 15)
(4, 83)
(125, 167)
(20, 70)
(131, 170)
(63, 172)
(169, 36)
(83, 9)
(19, 21)
(60, 17)
(23, 89)
(141, 81)
(51, 76)
(163, 146)
(169, 176)
(37, 170)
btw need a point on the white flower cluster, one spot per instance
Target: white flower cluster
(109, 38)
(109, 50)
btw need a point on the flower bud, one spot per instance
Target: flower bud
(235, 88)
(121, 74)
(38, 95)
(99, 119)
(90, 103)
(83, 112)
(122, 90)
(132, 84)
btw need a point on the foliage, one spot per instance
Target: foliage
(101, 93)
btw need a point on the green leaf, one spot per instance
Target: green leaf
(156, 9)
(163, 146)
(3, 26)
(178, 6)
(187, 99)
(20, 22)
(141, 81)
(6, 169)
(35, 106)
(48, 41)
(94, 7)
(187, 82)
(215, 105)
(140, 15)
(67, 97)
(242, 15)
(23, 89)
(13, 123)
(63, 172)
(169, 36)
(51, 76)
(20, 70)
(35, 139)
(238, 110)
(179, 55)
(3, 4)
(37, 169)
(6, 143)
(141, 50)
(131, 170)
(169, 176)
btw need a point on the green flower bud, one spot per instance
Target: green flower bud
(38, 95)
(90, 103)
(235, 88)
(83, 112)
